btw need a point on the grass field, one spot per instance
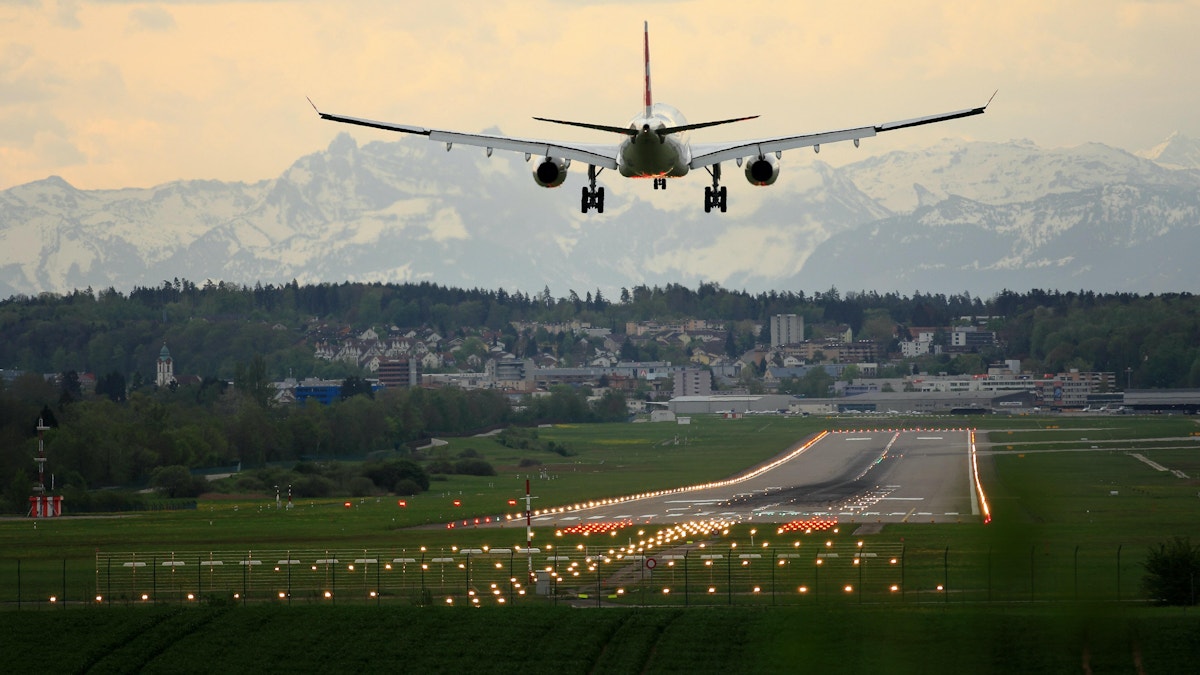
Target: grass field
(1060, 542)
(564, 640)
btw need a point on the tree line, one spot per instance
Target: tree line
(219, 325)
(95, 441)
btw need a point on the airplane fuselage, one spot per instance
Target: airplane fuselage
(649, 154)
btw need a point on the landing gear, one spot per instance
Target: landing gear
(715, 196)
(593, 197)
(660, 183)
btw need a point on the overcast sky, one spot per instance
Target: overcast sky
(114, 94)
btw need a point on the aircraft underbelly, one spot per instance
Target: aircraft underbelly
(651, 159)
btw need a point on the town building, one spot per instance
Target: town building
(692, 382)
(786, 329)
(399, 372)
(164, 368)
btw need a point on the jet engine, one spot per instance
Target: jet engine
(551, 172)
(762, 170)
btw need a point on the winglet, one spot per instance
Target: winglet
(985, 105)
(646, 49)
(314, 105)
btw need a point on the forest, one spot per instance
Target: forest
(219, 325)
(238, 340)
(155, 436)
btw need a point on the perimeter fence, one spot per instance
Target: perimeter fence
(720, 573)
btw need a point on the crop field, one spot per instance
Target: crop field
(1076, 502)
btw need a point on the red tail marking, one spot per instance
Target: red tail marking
(646, 45)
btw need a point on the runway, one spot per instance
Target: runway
(886, 476)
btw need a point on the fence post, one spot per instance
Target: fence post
(686, 591)
(1076, 572)
(817, 577)
(1119, 572)
(859, 563)
(729, 577)
(1032, 550)
(989, 572)
(18, 583)
(946, 575)
(64, 584)
(774, 563)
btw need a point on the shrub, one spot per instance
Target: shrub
(177, 481)
(406, 487)
(313, 486)
(361, 486)
(474, 467)
(1172, 572)
(441, 466)
(388, 474)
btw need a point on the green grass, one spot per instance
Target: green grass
(1059, 541)
(564, 640)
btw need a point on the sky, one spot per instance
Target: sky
(109, 94)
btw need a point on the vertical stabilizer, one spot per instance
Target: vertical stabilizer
(646, 45)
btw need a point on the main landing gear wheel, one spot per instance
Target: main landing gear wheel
(716, 196)
(660, 183)
(593, 197)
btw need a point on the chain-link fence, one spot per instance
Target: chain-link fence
(714, 574)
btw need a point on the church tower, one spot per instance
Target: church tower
(165, 374)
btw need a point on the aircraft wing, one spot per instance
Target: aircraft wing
(707, 154)
(599, 155)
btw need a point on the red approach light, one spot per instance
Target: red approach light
(347, 505)
(458, 502)
(512, 502)
(401, 503)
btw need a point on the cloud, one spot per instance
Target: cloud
(67, 14)
(154, 19)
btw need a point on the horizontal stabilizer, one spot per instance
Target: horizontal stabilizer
(627, 131)
(631, 131)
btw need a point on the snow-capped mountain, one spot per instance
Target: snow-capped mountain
(1177, 152)
(977, 217)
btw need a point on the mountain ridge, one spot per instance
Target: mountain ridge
(955, 216)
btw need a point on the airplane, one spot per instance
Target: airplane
(656, 145)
